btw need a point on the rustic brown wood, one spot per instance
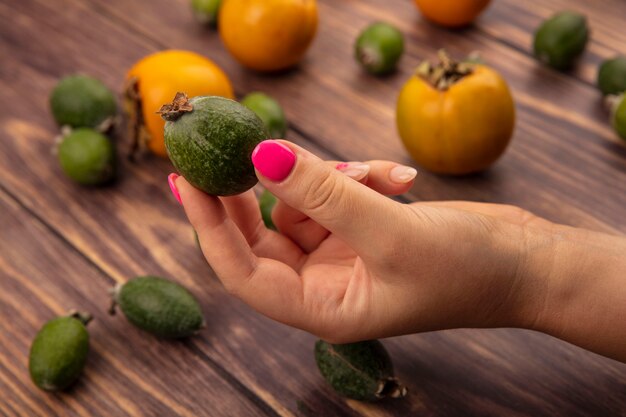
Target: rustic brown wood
(128, 372)
(562, 165)
(561, 122)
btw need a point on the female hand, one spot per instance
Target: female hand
(351, 264)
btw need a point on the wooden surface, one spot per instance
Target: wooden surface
(62, 246)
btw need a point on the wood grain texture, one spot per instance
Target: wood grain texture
(63, 244)
(128, 372)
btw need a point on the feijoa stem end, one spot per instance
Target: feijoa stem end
(114, 292)
(369, 57)
(444, 74)
(612, 101)
(390, 387)
(179, 106)
(81, 316)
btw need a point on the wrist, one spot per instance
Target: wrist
(527, 255)
(576, 277)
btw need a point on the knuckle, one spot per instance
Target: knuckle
(322, 193)
(524, 216)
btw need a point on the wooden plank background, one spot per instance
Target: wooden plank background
(62, 246)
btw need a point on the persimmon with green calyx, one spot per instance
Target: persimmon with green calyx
(206, 11)
(269, 111)
(210, 140)
(87, 157)
(362, 371)
(159, 306)
(561, 39)
(612, 76)
(82, 101)
(59, 352)
(379, 47)
(267, 201)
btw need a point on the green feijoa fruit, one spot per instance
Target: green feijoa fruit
(206, 11)
(379, 48)
(59, 352)
(210, 142)
(267, 201)
(82, 101)
(159, 306)
(612, 76)
(87, 156)
(269, 111)
(561, 39)
(361, 371)
(619, 116)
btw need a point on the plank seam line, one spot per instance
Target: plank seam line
(230, 378)
(55, 233)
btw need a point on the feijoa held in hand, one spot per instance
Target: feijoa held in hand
(159, 306)
(269, 111)
(267, 201)
(59, 352)
(210, 140)
(379, 48)
(561, 39)
(82, 101)
(612, 76)
(361, 371)
(87, 157)
(206, 11)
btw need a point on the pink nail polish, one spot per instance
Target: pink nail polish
(273, 160)
(341, 165)
(171, 180)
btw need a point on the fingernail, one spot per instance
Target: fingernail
(355, 170)
(273, 159)
(171, 180)
(402, 174)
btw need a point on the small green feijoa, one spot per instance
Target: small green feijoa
(59, 352)
(361, 371)
(561, 39)
(379, 48)
(159, 306)
(612, 76)
(269, 111)
(206, 11)
(267, 201)
(82, 101)
(87, 156)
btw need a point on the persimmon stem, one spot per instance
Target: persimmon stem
(445, 73)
